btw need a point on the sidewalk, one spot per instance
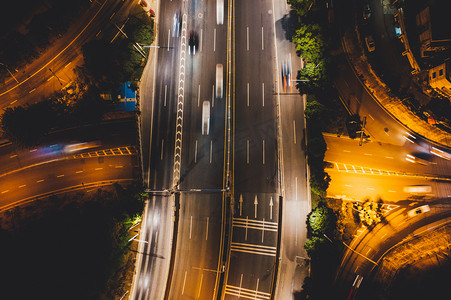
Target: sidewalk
(352, 45)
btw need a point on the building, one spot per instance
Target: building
(434, 30)
(439, 79)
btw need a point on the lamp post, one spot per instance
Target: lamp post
(9, 72)
(56, 76)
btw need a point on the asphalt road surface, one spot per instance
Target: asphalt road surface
(255, 223)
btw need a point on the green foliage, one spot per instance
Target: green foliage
(310, 42)
(316, 148)
(140, 30)
(81, 254)
(369, 212)
(312, 245)
(27, 126)
(111, 64)
(319, 182)
(300, 6)
(314, 111)
(322, 220)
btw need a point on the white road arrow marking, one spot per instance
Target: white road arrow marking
(255, 205)
(271, 204)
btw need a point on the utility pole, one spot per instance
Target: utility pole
(56, 76)
(6, 67)
(362, 131)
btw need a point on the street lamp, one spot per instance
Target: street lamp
(56, 76)
(9, 72)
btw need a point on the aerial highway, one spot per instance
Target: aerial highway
(253, 259)
(183, 167)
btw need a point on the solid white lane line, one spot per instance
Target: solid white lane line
(245, 235)
(165, 93)
(195, 152)
(162, 147)
(241, 284)
(263, 148)
(198, 96)
(169, 38)
(200, 42)
(190, 226)
(214, 40)
(184, 282)
(211, 150)
(200, 285)
(247, 151)
(263, 47)
(263, 94)
(294, 131)
(213, 96)
(247, 94)
(206, 233)
(256, 288)
(296, 187)
(247, 33)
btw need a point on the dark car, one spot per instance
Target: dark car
(193, 42)
(366, 11)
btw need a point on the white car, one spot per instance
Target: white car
(418, 211)
(441, 153)
(176, 24)
(219, 12)
(205, 117)
(418, 189)
(219, 79)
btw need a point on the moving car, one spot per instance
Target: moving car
(219, 12)
(366, 11)
(441, 153)
(81, 146)
(219, 80)
(418, 189)
(419, 158)
(355, 286)
(176, 24)
(192, 43)
(205, 117)
(418, 211)
(369, 41)
(286, 76)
